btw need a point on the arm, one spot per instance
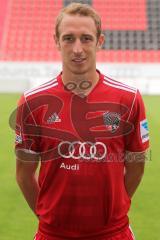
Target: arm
(134, 169)
(27, 181)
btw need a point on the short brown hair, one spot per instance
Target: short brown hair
(82, 10)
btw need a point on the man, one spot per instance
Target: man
(90, 133)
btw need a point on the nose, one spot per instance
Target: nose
(77, 47)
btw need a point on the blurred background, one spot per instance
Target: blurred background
(28, 57)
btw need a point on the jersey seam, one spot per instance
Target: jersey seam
(30, 111)
(132, 105)
(139, 151)
(113, 81)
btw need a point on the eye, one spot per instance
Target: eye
(86, 38)
(68, 38)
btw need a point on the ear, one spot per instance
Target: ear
(100, 42)
(57, 42)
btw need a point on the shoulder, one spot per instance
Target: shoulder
(45, 88)
(119, 86)
(120, 91)
(123, 94)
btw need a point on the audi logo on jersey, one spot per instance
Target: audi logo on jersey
(82, 150)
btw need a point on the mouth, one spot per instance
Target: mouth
(79, 60)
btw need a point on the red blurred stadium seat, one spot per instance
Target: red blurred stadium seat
(122, 15)
(29, 30)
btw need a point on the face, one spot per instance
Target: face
(78, 44)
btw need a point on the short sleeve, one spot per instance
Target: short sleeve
(25, 130)
(138, 139)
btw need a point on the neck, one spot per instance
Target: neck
(80, 83)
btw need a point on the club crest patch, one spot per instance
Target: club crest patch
(111, 121)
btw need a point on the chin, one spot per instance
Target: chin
(79, 71)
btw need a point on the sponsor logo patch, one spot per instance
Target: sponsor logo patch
(144, 131)
(74, 167)
(18, 138)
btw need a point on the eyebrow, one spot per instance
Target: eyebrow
(72, 35)
(68, 34)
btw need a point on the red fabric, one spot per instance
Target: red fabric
(125, 235)
(90, 201)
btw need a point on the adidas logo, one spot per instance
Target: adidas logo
(53, 118)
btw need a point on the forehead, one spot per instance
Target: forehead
(76, 24)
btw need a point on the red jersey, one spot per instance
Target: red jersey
(81, 141)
